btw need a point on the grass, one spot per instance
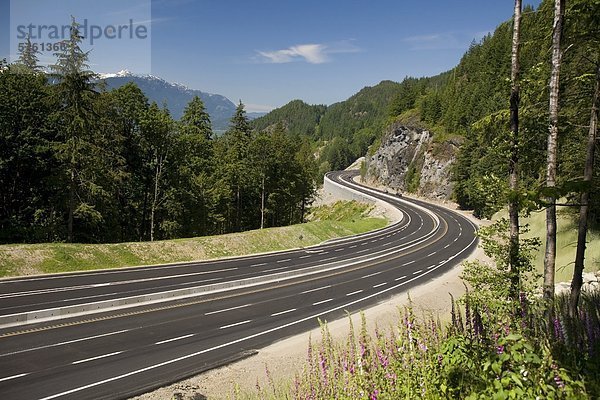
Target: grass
(566, 243)
(326, 222)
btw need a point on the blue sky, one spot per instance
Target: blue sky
(269, 52)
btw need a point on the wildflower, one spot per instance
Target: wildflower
(391, 376)
(383, 360)
(374, 394)
(558, 330)
(500, 349)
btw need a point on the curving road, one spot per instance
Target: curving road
(222, 311)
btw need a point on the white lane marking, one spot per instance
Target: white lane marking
(455, 239)
(399, 279)
(373, 241)
(353, 246)
(408, 263)
(97, 357)
(239, 340)
(362, 251)
(227, 309)
(305, 256)
(446, 246)
(323, 252)
(432, 266)
(283, 312)
(321, 302)
(370, 275)
(417, 272)
(12, 377)
(258, 265)
(286, 260)
(236, 324)
(275, 269)
(314, 290)
(353, 293)
(379, 285)
(80, 287)
(176, 338)
(63, 343)
(432, 254)
(364, 244)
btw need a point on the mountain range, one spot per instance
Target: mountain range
(176, 97)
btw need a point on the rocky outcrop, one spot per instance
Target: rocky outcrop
(413, 160)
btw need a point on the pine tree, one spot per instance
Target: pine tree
(28, 57)
(75, 90)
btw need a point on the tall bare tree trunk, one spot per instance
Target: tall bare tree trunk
(262, 204)
(71, 203)
(588, 174)
(550, 255)
(513, 182)
(155, 200)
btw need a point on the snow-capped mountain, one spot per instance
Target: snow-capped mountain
(175, 96)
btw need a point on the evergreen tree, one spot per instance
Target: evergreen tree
(75, 91)
(194, 155)
(28, 57)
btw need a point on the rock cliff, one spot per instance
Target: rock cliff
(414, 160)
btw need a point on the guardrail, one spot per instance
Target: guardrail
(56, 313)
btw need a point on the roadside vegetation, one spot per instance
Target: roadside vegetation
(566, 243)
(326, 222)
(492, 347)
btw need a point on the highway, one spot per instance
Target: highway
(236, 306)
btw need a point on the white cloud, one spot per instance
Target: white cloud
(313, 53)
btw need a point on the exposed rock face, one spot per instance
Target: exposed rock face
(410, 160)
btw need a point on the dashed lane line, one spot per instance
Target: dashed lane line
(175, 338)
(227, 309)
(236, 324)
(353, 293)
(283, 312)
(314, 290)
(97, 357)
(8, 378)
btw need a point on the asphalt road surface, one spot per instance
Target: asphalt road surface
(118, 353)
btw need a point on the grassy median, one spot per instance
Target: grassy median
(325, 222)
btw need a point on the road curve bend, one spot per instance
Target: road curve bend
(251, 302)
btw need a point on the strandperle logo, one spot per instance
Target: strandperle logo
(89, 32)
(116, 34)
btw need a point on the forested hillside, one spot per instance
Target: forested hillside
(79, 164)
(343, 131)
(471, 101)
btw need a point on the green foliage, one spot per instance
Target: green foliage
(474, 357)
(81, 165)
(490, 284)
(299, 118)
(413, 178)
